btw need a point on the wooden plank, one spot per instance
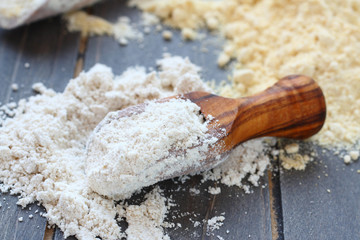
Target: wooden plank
(310, 211)
(245, 214)
(11, 45)
(31, 227)
(108, 51)
(51, 55)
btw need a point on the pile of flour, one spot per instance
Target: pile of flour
(42, 149)
(134, 148)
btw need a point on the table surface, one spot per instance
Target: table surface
(293, 205)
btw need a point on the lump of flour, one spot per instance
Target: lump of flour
(133, 148)
(42, 148)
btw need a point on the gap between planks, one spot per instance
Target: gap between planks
(277, 226)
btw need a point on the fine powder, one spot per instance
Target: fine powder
(42, 150)
(269, 39)
(130, 150)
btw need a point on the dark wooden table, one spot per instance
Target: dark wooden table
(294, 205)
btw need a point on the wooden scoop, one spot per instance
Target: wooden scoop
(292, 108)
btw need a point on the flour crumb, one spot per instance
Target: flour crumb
(31, 216)
(20, 219)
(354, 155)
(39, 87)
(196, 224)
(292, 148)
(194, 191)
(347, 159)
(215, 223)
(214, 190)
(167, 35)
(149, 19)
(27, 65)
(291, 158)
(188, 34)
(14, 87)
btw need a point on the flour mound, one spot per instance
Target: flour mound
(42, 149)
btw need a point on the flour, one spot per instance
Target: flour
(42, 149)
(14, 87)
(147, 220)
(246, 162)
(129, 152)
(90, 25)
(271, 39)
(215, 223)
(214, 190)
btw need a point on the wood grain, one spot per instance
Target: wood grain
(11, 50)
(293, 108)
(321, 202)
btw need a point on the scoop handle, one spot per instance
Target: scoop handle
(293, 108)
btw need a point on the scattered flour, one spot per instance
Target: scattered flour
(214, 190)
(246, 162)
(147, 220)
(215, 223)
(92, 25)
(292, 148)
(14, 87)
(42, 148)
(194, 191)
(167, 35)
(354, 155)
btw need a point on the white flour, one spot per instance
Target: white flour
(42, 149)
(129, 152)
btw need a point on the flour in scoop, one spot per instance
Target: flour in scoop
(126, 153)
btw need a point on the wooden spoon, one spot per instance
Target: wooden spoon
(292, 108)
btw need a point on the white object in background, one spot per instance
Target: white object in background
(14, 13)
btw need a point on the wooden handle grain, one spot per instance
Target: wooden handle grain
(293, 108)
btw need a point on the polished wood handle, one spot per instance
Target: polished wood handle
(293, 108)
